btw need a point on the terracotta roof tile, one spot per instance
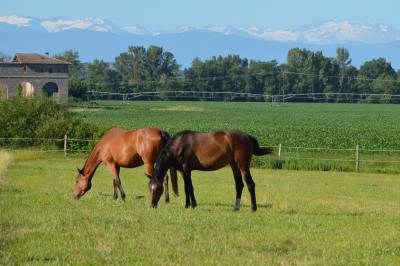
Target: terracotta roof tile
(24, 58)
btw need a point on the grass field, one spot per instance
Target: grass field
(308, 125)
(304, 218)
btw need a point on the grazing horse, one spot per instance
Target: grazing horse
(128, 149)
(207, 151)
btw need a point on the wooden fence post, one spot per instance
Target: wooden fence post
(65, 145)
(279, 150)
(357, 158)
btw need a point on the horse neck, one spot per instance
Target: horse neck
(92, 162)
(161, 169)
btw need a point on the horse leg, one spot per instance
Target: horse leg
(251, 186)
(189, 191)
(165, 183)
(114, 169)
(119, 184)
(238, 184)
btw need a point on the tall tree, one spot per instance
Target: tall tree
(342, 57)
(374, 69)
(77, 73)
(102, 76)
(76, 68)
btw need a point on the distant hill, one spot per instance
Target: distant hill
(96, 38)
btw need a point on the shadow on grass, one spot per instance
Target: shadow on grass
(299, 212)
(225, 205)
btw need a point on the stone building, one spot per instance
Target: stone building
(33, 73)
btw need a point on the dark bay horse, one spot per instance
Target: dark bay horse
(207, 151)
(128, 149)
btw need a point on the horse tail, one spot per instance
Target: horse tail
(257, 150)
(172, 171)
(164, 138)
(174, 180)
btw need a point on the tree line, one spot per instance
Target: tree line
(153, 69)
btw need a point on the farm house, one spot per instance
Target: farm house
(35, 72)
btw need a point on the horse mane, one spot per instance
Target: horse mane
(92, 156)
(164, 138)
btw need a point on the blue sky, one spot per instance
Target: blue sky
(168, 14)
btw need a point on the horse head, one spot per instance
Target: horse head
(155, 189)
(161, 167)
(82, 184)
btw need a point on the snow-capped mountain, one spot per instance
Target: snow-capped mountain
(95, 37)
(327, 32)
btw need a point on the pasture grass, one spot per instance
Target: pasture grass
(304, 218)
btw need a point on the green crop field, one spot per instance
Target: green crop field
(372, 126)
(304, 125)
(304, 218)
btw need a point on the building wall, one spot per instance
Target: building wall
(12, 75)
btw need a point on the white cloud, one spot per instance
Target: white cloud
(60, 24)
(340, 31)
(220, 29)
(184, 29)
(275, 35)
(15, 20)
(384, 28)
(96, 24)
(134, 29)
(102, 28)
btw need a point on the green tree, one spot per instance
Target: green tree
(372, 70)
(141, 69)
(102, 77)
(342, 57)
(76, 68)
(131, 66)
(41, 117)
(77, 73)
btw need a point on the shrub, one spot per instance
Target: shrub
(41, 117)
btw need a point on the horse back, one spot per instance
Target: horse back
(202, 150)
(132, 148)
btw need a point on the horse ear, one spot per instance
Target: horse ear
(149, 176)
(80, 171)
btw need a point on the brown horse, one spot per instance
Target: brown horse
(128, 149)
(207, 151)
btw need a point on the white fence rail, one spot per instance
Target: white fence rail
(349, 97)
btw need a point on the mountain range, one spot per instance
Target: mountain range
(94, 37)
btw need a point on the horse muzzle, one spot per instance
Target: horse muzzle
(76, 196)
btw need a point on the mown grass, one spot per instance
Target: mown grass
(304, 218)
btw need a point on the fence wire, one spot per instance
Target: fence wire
(73, 145)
